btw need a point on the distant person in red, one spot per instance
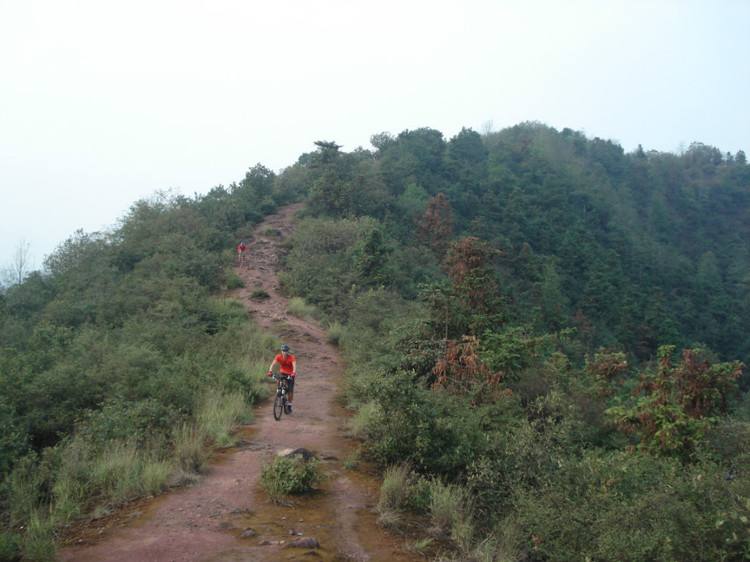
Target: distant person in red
(287, 367)
(241, 255)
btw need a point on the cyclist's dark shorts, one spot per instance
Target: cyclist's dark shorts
(289, 382)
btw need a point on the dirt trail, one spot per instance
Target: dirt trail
(205, 522)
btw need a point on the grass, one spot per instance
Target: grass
(394, 494)
(351, 462)
(367, 418)
(218, 415)
(334, 333)
(87, 474)
(450, 513)
(155, 476)
(10, 546)
(39, 541)
(189, 448)
(421, 546)
(285, 476)
(234, 281)
(299, 308)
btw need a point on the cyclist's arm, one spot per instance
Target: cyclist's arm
(272, 364)
(294, 367)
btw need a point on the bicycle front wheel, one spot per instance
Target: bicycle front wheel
(278, 407)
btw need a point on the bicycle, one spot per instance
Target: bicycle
(280, 403)
(242, 259)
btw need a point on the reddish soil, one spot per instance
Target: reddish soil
(205, 521)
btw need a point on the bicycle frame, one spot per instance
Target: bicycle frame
(280, 402)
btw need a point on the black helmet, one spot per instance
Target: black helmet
(284, 347)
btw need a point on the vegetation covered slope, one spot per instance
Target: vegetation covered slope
(547, 332)
(544, 333)
(120, 364)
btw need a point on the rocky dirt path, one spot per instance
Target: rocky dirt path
(226, 516)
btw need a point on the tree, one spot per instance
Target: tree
(381, 141)
(328, 152)
(260, 180)
(461, 371)
(469, 267)
(20, 266)
(435, 226)
(675, 404)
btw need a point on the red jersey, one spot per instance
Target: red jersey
(241, 247)
(285, 365)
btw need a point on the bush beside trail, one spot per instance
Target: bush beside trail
(122, 366)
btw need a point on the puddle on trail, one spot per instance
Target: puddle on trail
(314, 517)
(340, 515)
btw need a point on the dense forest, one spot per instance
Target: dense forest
(546, 339)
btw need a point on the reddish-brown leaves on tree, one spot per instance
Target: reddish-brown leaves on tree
(460, 371)
(435, 226)
(468, 264)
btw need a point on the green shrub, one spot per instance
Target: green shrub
(334, 333)
(366, 421)
(626, 506)
(285, 476)
(118, 419)
(299, 308)
(234, 281)
(10, 547)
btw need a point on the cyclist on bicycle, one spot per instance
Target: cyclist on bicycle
(241, 248)
(287, 368)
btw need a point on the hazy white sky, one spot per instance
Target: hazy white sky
(103, 103)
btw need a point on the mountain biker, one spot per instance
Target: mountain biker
(287, 367)
(241, 247)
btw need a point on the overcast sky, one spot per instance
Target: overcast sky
(103, 103)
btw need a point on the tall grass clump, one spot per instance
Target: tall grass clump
(285, 476)
(334, 333)
(109, 475)
(39, 540)
(190, 452)
(451, 512)
(368, 418)
(219, 413)
(155, 476)
(394, 494)
(299, 308)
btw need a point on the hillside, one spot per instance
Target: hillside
(544, 335)
(541, 319)
(633, 250)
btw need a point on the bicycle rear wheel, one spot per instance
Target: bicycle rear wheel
(278, 407)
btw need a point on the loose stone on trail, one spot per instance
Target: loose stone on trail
(307, 542)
